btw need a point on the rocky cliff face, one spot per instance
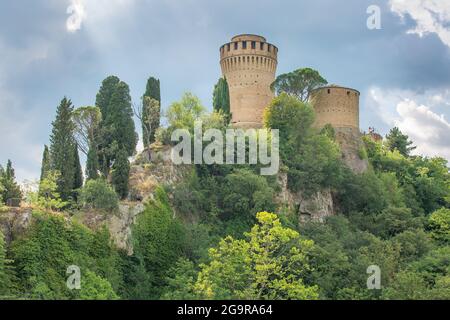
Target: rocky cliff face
(150, 169)
(352, 147)
(316, 207)
(118, 223)
(14, 222)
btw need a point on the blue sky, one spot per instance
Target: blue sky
(55, 48)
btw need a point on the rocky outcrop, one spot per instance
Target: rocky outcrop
(154, 167)
(352, 148)
(119, 223)
(14, 222)
(316, 207)
(151, 168)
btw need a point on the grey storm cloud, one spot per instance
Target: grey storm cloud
(55, 48)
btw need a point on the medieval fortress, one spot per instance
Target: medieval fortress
(249, 64)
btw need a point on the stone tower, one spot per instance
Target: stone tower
(338, 106)
(248, 63)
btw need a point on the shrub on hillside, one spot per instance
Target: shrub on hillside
(97, 194)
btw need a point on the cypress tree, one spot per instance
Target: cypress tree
(102, 101)
(221, 98)
(153, 91)
(117, 130)
(105, 93)
(61, 148)
(46, 163)
(120, 119)
(78, 178)
(92, 165)
(120, 174)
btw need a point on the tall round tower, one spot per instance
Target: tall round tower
(335, 105)
(248, 63)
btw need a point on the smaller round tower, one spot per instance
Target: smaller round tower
(335, 105)
(339, 106)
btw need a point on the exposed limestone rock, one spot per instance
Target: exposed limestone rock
(154, 167)
(14, 222)
(119, 223)
(352, 147)
(316, 208)
(151, 168)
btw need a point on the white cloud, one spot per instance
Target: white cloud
(93, 12)
(77, 12)
(430, 16)
(413, 114)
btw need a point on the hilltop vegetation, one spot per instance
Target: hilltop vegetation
(222, 233)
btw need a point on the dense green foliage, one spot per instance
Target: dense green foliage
(211, 235)
(158, 241)
(97, 194)
(268, 264)
(312, 160)
(42, 257)
(396, 140)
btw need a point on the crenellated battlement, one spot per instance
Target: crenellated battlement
(248, 45)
